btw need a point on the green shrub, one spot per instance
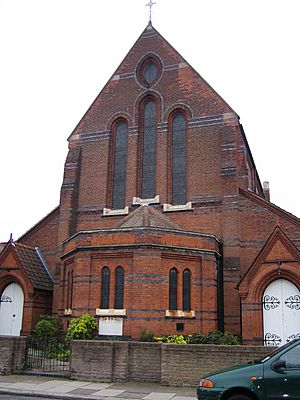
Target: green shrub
(48, 329)
(196, 338)
(64, 355)
(84, 327)
(215, 337)
(146, 336)
(176, 339)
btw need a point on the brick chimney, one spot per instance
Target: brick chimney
(266, 190)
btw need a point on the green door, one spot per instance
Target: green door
(284, 382)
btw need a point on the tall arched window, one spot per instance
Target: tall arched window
(173, 289)
(105, 288)
(70, 290)
(119, 288)
(148, 189)
(179, 159)
(186, 290)
(119, 168)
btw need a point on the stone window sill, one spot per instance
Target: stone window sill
(179, 207)
(110, 312)
(137, 201)
(107, 212)
(179, 314)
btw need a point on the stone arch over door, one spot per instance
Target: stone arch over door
(278, 260)
(281, 312)
(11, 310)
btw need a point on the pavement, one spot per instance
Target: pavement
(60, 388)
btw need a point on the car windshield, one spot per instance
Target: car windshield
(266, 358)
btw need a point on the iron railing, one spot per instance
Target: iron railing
(47, 357)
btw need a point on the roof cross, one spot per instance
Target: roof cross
(150, 5)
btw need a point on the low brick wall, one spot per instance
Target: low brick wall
(184, 364)
(169, 364)
(12, 354)
(115, 361)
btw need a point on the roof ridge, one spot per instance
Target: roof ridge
(144, 216)
(25, 246)
(271, 206)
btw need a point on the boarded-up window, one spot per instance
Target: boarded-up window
(173, 289)
(186, 290)
(119, 288)
(105, 288)
(179, 159)
(149, 151)
(119, 172)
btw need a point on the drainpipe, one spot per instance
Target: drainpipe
(220, 290)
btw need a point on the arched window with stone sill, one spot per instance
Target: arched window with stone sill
(119, 288)
(148, 149)
(186, 290)
(178, 158)
(105, 287)
(173, 282)
(119, 154)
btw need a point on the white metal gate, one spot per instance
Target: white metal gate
(281, 312)
(11, 310)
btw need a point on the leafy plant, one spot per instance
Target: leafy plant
(47, 339)
(64, 355)
(84, 327)
(146, 336)
(176, 339)
(48, 329)
(215, 337)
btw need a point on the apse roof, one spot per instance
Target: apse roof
(146, 216)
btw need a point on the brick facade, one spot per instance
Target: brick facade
(218, 235)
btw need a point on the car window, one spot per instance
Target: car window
(292, 357)
(273, 353)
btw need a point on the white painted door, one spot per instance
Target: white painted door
(11, 310)
(281, 313)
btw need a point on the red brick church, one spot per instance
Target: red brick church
(163, 224)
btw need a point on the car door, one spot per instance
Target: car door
(282, 376)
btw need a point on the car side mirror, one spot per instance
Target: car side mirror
(278, 364)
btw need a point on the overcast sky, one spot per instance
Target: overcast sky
(56, 56)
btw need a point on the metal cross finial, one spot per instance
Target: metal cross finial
(150, 5)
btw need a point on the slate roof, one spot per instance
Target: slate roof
(146, 216)
(34, 266)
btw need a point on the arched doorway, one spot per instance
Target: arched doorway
(281, 312)
(11, 310)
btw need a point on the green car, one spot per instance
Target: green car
(275, 377)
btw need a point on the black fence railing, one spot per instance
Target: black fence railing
(49, 357)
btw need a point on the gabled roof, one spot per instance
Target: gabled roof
(193, 87)
(32, 263)
(278, 243)
(147, 216)
(45, 220)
